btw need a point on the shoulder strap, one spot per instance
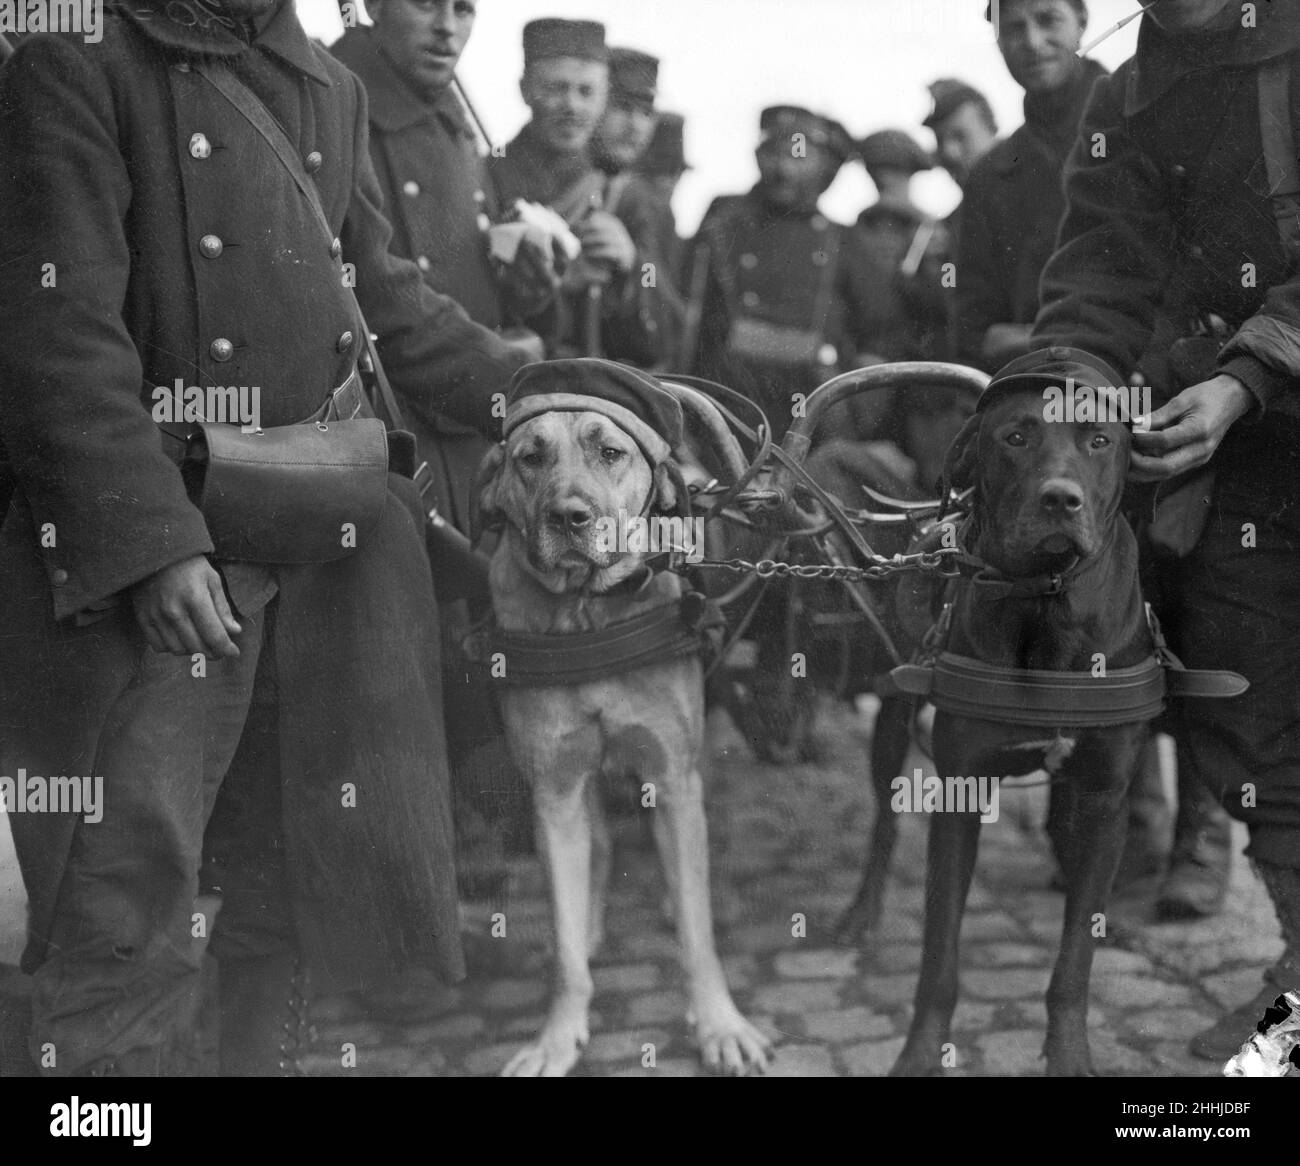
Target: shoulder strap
(1278, 136)
(250, 106)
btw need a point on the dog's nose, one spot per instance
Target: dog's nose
(574, 515)
(1061, 496)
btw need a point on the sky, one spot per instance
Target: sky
(866, 62)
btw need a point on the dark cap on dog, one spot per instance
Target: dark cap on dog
(1052, 366)
(635, 401)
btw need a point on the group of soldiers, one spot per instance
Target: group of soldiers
(135, 257)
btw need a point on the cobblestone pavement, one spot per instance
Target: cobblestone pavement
(789, 840)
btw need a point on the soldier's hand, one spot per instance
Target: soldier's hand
(1184, 433)
(182, 609)
(605, 240)
(530, 282)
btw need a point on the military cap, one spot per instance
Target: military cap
(1058, 366)
(780, 121)
(552, 37)
(635, 401)
(949, 95)
(665, 156)
(894, 149)
(633, 76)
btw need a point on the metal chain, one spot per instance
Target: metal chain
(882, 568)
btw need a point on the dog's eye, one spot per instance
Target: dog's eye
(612, 454)
(1099, 441)
(531, 457)
(1015, 437)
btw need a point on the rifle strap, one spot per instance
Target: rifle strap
(250, 106)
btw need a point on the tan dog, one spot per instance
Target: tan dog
(553, 480)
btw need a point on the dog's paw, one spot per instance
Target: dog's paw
(729, 1044)
(555, 1051)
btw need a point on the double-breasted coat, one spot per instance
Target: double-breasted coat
(147, 233)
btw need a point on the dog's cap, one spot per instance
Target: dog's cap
(635, 401)
(1052, 366)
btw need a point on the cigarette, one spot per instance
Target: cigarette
(1114, 28)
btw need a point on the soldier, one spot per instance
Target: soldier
(435, 189)
(1170, 225)
(899, 255)
(565, 86)
(1013, 200)
(190, 200)
(621, 138)
(768, 281)
(662, 165)
(963, 124)
(964, 131)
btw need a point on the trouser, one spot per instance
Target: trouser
(1235, 603)
(121, 971)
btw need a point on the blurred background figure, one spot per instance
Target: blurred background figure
(662, 166)
(772, 307)
(1014, 198)
(963, 125)
(566, 86)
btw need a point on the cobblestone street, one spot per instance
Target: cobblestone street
(789, 840)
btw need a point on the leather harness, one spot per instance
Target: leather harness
(1050, 699)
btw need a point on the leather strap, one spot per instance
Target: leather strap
(969, 687)
(219, 76)
(1278, 137)
(537, 660)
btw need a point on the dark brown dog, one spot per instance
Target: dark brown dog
(1046, 502)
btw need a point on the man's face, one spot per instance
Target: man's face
(1187, 15)
(789, 180)
(567, 97)
(962, 139)
(423, 39)
(1039, 40)
(625, 132)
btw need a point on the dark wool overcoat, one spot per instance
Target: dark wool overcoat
(148, 233)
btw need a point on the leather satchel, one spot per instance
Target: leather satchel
(305, 493)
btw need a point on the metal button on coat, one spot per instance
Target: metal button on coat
(59, 578)
(336, 248)
(221, 349)
(345, 342)
(749, 261)
(313, 161)
(422, 262)
(200, 147)
(211, 246)
(411, 189)
(750, 299)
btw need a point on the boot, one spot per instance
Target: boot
(1225, 1038)
(264, 1016)
(1197, 881)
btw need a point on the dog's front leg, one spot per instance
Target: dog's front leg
(728, 1042)
(564, 834)
(953, 844)
(1096, 840)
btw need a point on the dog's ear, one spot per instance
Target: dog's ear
(669, 490)
(959, 461)
(487, 511)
